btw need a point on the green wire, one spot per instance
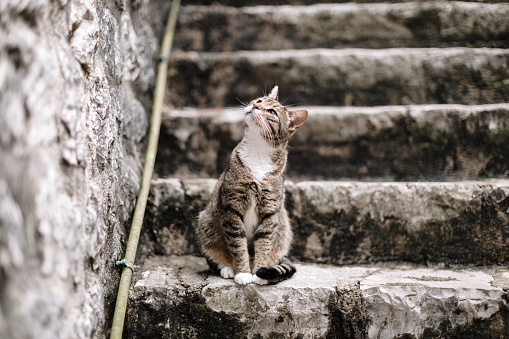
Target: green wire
(155, 126)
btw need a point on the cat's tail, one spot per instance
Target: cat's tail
(276, 273)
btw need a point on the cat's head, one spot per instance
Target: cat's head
(274, 122)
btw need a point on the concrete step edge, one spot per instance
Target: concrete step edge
(378, 301)
(333, 6)
(235, 114)
(240, 4)
(274, 55)
(296, 3)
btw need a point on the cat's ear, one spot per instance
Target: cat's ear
(297, 118)
(273, 93)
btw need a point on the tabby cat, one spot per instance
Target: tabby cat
(244, 232)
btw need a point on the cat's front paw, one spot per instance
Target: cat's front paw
(243, 278)
(259, 281)
(227, 272)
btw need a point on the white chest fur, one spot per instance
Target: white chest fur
(255, 155)
(250, 220)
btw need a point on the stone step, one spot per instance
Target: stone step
(177, 297)
(356, 222)
(241, 3)
(350, 25)
(433, 142)
(342, 77)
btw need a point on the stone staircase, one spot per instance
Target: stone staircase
(397, 184)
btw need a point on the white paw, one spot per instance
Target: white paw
(243, 278)
(227, 272)
(259, 281)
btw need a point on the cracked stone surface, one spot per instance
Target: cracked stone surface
(176, 296)
(413, 301)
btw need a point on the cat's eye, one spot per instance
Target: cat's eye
(271, 111)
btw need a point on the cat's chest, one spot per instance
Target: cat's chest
(251, 219)
(255, 155)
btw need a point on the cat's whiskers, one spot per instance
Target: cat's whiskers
(244, 104)
(267, 132)
(265, 129)
(271, 136)
(262, 124)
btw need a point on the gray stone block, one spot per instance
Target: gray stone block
(373, 25)
(354, 222)
(431, 142)
(240, 3)
(358, 222)
(347, 77)
(175, 297)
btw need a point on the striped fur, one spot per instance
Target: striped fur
(276, 273)
(244, 232)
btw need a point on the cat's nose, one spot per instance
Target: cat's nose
(255, 107)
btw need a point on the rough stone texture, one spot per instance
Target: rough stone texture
(427, 24)
(70, 132)
(434, 142)
(438, 224)
(171, 216)
(356, 222)
(353, 222)
(349, 77)
(431, 303)
(176, 297)
(240, 3)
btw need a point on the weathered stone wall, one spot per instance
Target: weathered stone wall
(73, 77)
